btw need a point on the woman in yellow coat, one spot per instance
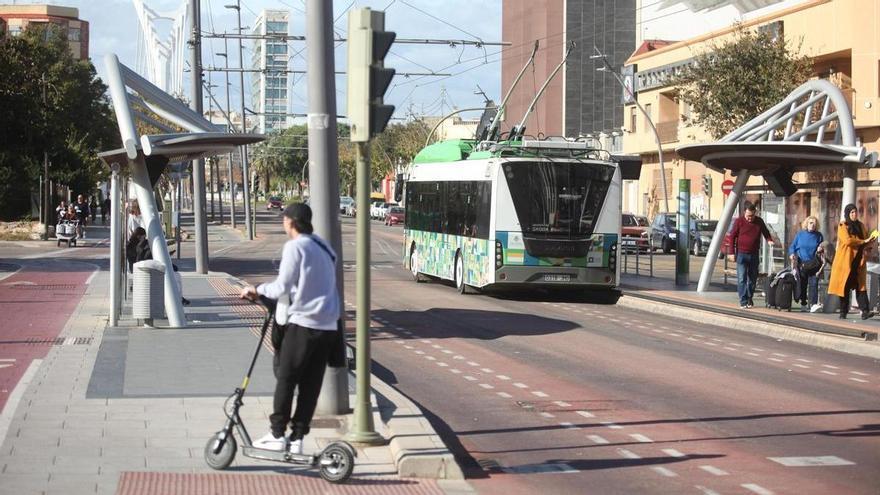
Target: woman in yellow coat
(849, 271)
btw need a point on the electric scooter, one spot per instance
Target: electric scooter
(335, 461)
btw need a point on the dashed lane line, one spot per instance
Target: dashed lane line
(562, 403)
(504, 395)
(714, 470)
(538, 393)
(672, 453)
(598, 439)
(664, 471)
(609, 424)
(628, 454)
(858, 380)
(706, 491)
(811, 461)
(520, 385)
(760, 490)
(586, 414)
(638, 437)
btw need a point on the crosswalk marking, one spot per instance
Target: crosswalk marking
(821, 460)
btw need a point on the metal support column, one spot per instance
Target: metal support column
(850, 176)
(323, 152)
(683, 241)
(115, 247)
(245, 178)
(721, 230)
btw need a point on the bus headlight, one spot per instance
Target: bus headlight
(499, 255)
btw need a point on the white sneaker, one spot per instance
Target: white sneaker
(271, 442)
(295, 447)
(816, 308)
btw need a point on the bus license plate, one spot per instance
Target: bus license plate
(557, 277)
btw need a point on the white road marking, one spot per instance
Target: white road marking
(656, 330)
(752, 354)
(611, 425)
(470, 378)
(735, 344)
(638, 437)
(504, 394)
(486, 386)
(664, 471)
(858, 380)
(760, 490)
(435, 346)
(586, 414)
(711, 343)
(821, 460)
(520, 385)
(16, 396)
(538, 393)
(673, 334)
(548, 415)
(828, 372)
(597, 439)
(7, 363)
(780, 355)
(830, 367)
(91, 277)
(561, 403)
(400, 342)
(426, 341)
(706, 491)
(442, 364)
(447, 351)
(714, 470)
(430, 358)
(673, 453)
(628, 454)
(458, 356)
(734, 349)
(408, 347)
(455, 370)
(776, 360)
(570, 426)
(502, 377)
(487, 370)
(420, 352)
(801, 366)
(804, 360)
(693, 339)
(859, 373)
(757, 349)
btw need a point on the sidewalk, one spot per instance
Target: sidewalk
(720, 306)
(129, 409)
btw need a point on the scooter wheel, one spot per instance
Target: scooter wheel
(222, 459)
(337, 463)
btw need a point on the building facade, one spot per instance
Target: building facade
(580, 100)
(269, 87)
(16, 18)
(840, 36)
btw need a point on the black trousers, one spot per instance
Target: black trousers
(300, 360)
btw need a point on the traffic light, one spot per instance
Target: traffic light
(707, 185)
(368, 79)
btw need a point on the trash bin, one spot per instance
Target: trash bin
(148, 294)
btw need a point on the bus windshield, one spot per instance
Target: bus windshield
(557, 200)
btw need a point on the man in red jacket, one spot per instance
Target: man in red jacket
(745, 238)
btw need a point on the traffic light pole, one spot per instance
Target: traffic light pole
(198, 166)
(324, 175)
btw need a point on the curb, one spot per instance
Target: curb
(416, 448)
(848, 345)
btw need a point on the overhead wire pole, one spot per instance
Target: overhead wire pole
(324, 175)
(198, 166)
(245, 179)
(231, 180)
(608, 68)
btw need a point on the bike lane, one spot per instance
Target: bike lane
(35, 304)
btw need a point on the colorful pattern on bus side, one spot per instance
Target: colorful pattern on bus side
(437, 255)
(515, 253)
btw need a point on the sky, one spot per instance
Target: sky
(113, 29)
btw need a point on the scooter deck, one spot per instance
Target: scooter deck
(274, 455)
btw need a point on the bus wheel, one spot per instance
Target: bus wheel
(460, 286)
(414, 265)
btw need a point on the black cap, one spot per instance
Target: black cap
(299, 213)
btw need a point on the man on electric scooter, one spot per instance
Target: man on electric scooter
(308, 275)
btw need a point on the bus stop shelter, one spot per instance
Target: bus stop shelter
(811, 129)
(144, 158)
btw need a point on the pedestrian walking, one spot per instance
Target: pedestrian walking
(82, 213)
(105, 210)
(135, 219)
(849, 269)
(807, 262)
(745, 238)
(61, 210)
(304, 345)
(93, 207)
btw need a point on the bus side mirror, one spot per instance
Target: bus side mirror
(630, 166)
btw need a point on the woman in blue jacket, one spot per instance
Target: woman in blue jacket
(809, 263)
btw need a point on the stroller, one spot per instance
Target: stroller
(66, 231)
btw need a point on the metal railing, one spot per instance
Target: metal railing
(634, 245)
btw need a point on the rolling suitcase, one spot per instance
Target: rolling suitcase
(785, 293)
(770, 291)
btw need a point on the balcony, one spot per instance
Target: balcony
(668, 131)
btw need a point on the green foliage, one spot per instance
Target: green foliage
(49, 102)
(731, 83)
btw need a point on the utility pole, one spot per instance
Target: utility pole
(211, 160)
(231, 181)
(46, 183)
(245, 177)
(606, 67)
(325, 174)
(198, 166)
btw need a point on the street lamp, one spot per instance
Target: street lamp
(606, 67)
(244, 162)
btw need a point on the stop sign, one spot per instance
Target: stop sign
(727, 186)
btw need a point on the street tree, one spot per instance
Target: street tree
(49, 101)
(734, 81)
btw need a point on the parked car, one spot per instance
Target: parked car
(702, 236)
(663, 232)
(344, 203)
(395, 215)
(380, 210)
(634, 230)
(374, 208)
(275, 202)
